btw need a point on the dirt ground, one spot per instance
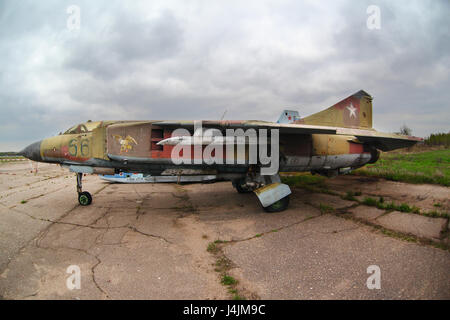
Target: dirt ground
(156, 241)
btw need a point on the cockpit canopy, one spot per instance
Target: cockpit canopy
(83, 127)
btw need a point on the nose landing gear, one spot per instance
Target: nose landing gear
(84, 198)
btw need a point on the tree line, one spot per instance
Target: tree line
(438, 139)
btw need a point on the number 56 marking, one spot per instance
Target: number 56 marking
(75, 145)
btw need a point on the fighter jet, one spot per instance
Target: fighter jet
(331, 142)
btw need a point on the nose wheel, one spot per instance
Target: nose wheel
(84, 198)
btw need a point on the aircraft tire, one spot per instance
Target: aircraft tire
(278, 206)
(84, 198)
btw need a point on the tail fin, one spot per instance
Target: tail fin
(352, 112)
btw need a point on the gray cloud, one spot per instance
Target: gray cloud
(129, 40)
(164, 60)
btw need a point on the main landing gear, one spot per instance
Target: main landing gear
(272, 194)
(84, 198)
(278, 206)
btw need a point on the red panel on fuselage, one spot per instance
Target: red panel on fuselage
(356, 148)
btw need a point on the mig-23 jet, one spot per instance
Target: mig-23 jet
(248, 153)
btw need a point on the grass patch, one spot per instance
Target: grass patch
(380, 204)
(436, 214)
(222, 262)
(325, 208)
(212, 247)
(6, 159)
(301, 179)
(228, 280)
(23, 201)
(368, 201)
(350, 195)
(403, 207)
(423, 167)
(398, 235)
(222, 266)
(314, 183)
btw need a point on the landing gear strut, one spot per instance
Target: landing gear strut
(240, 186)
(273, 195)
(84, 198)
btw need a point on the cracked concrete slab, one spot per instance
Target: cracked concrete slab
(327, 258)
(420, 226)
(424, 196)
(366, 213)
(241, 216)
(318, 199)
(149, 242)
(159, 270)
(16, 231)
(41, 273)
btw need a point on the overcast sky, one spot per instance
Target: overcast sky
(198, 59)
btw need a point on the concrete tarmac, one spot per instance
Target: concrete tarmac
(150, 241)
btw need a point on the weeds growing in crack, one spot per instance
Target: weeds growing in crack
(148, 234)
(228, 280)
(326, 208)
(222, 266)
(138, 214)
(212, 247)
(396, 234)
(317, 184)
(403, 207)
(350, 195)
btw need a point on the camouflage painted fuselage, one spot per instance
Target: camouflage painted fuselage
(338, 137)
(99, 147)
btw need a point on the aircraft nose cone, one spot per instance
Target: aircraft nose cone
(33, 151)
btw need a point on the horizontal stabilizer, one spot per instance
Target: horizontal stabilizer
(389, 143)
